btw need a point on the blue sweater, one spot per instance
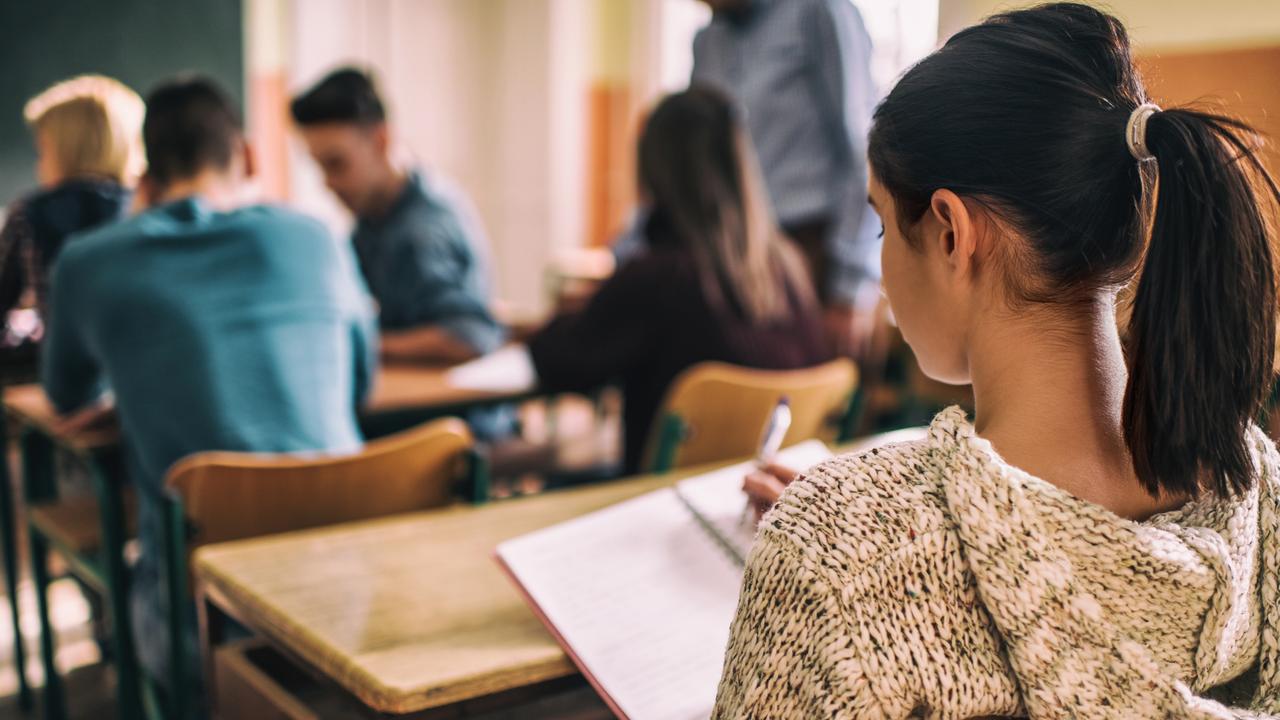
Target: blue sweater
(246, 331)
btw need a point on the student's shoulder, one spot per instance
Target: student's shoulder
(854, 510)
(102, 243)
(277, 230)
(658, 268)
(274, 219)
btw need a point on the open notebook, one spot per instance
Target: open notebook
(641, 594)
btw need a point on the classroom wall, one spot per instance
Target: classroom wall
(136, 41)
(1225, 53)
(1155, 24)
(486, 92)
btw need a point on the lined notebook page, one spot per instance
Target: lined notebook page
(642, 595)
(718, 499)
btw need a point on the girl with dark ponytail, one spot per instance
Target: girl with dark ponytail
(1103, 538)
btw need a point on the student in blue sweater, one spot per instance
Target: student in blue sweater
(217, 326)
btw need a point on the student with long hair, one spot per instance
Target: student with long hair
(717, 281)
(1103, 538)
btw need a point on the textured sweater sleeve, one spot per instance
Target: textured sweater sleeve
(790, 652)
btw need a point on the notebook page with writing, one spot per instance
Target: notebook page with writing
(718, 499)
(641, 596)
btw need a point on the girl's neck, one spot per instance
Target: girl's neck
(1049, 387)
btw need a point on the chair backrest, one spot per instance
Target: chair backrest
(227, 496)
(715, 411)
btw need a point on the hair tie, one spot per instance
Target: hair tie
(1135, 132)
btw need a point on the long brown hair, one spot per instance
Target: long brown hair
(698, 168)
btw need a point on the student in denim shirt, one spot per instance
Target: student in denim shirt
(419, 243)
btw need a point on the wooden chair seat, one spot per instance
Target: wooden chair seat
(73, 526)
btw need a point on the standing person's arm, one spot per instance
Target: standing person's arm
(71, 376)
(845, 92)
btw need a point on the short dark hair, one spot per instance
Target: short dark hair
(191, 124)
(346, 95)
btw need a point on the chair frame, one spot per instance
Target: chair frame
(107, 573)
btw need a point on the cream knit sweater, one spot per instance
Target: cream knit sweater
(933, 579)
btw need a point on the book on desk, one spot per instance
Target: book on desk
(641, 594)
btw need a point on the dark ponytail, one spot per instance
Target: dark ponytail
(1027, 114)
(1202, 336)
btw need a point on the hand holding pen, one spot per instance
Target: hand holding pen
(771, 437)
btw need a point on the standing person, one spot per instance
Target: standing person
(717, 282)
(419, 243)
(1103, 539)
(801, 69)
(216, 326)
(88, 136)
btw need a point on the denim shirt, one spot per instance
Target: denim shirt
(424, 261)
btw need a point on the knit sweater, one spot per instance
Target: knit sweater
(932, 579)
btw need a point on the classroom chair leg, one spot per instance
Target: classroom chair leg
(8, 527)
(52, 697)
(111, 507)
(39, 485)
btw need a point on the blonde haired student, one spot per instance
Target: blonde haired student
(88, 135)
(1102, 540)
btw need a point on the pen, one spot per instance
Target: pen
(771, 440)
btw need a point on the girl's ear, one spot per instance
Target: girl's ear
(953, 231)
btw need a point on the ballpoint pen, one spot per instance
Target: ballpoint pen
(771, 440)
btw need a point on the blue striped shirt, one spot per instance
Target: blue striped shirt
(802, 71)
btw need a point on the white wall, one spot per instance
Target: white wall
(1157, 24)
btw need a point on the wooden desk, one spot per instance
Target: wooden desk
(405, 613)
(415, 388)
(415, 392)
(411, 612)
(29, 407)
(398, 388)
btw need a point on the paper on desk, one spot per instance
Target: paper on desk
(508, 369)
(718, 497)
(642, 594)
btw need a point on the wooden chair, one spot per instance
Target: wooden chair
(714, 411)
(89, 533)
(221, 496)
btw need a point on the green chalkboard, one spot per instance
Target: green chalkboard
(138, 42)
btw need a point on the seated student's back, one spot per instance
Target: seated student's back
(217, 327)
(716, 282)
(229, 330)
